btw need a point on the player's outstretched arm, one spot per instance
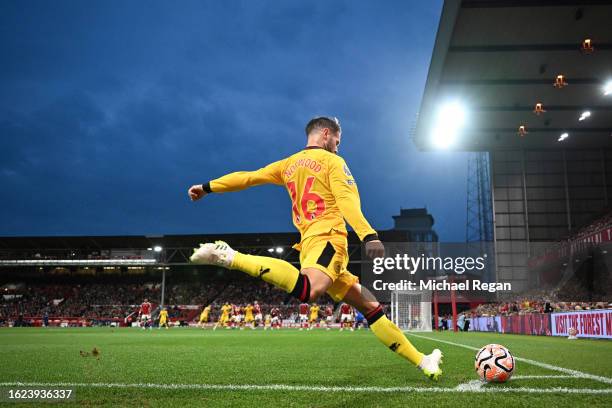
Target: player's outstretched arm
(240, 180)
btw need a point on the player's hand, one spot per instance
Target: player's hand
(196, 192)
(375, 249)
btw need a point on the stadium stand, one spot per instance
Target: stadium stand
(101, 301)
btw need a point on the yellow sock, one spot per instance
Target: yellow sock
(391, 336)
(272, 270)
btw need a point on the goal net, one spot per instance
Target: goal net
(411, 310)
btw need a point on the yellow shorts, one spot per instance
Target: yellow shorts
(162, 321)
(248, 319)
(328, 253)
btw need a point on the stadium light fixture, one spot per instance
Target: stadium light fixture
(450, 119)
(157, 248)
(607, 90)
(270, 250)
(560, 81)
(563, 136)
(279, 250)
(587, 46)
(539, 109)
(584, 115)
(149, 249)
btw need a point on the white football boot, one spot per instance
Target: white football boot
(219, 254)
(431, 365)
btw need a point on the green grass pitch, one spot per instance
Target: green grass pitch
(193, 367)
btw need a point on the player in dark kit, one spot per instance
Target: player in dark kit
(323, 195)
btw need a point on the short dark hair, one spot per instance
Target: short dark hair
(322, 122)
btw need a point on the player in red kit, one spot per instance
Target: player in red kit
(234, 319)
(144, 314)
(240, 317)
(329, 316)
(257, 313)
(276, 318)
(346, 316)
(303, 315)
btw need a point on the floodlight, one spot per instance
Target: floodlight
(157, 248)
(450, 118)
(584, 115)
(279, 250)
(608, 88)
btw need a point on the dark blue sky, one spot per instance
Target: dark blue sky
(109, 111)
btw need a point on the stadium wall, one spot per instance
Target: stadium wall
(542, 196)
(589, 323)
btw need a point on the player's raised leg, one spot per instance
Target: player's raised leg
(304, 285)
(389, 334)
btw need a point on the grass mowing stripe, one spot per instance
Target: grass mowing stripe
(285, 387)
(574, 373)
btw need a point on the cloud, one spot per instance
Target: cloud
(112, 113)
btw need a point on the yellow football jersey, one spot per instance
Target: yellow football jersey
(248, 311)
(163, 315)
(321, 187)
(225, 309)
(314, 311)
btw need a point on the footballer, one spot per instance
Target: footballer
(329, 316)
(257, 312)
(204, 316)
(224, 317)
(249, 320)
(303, 315)
(346, 317)
(314, 316)
(144, 314)
(323, 195)
(163, 318)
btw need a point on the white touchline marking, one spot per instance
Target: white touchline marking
(473, 385)
(574, 373)
(528, 377)
(283, 387)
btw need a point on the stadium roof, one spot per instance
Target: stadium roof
(89, 243)
(177, 248)
(500, 58)
(141, 241)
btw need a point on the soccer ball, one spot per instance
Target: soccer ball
(494, 363)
